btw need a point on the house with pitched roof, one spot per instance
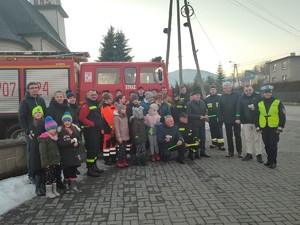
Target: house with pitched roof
(37, 25)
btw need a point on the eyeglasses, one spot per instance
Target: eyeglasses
(34, 88)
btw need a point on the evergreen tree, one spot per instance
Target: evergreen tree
(220, 77)
(114, 47)
(209, 81)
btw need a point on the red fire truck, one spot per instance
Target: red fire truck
(61, 71)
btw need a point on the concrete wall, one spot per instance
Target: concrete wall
(13, 158)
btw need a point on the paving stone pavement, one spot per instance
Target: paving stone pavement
(214, 190)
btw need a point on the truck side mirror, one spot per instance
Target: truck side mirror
(160, 75)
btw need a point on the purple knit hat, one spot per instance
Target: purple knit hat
(50, 123)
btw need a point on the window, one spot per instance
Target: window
(274, 67)
(150, 75)
(283, 65)
(274, 79)
(108, 75)
(130, 75)
(284, 77)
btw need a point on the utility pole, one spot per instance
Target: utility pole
(235, 74)
(198, 78)
(168, 31)
(179, 44)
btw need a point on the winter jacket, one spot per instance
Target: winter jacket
(69, 154)
(196, 109)
(177, 107)
(138, 129)
(244, 113)
(107, 112)
(121, 126)
(56, 111)
(146, 106)
(48, 151)
(90, 115)
(213, 108)
(25, 111)
(228, 107)
(163, 131)
(163, 110)
(151, 123)
(187, 132)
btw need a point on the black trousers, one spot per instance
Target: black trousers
(92, 145)
(216, 130)
(233, 128)
(270, 139)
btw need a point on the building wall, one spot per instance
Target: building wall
(41, 44)
(9, 46)
(295, 69)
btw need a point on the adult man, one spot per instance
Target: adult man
(90, 117)
(214, 116)
(183, 95)
(169, 140)
(228, 105)
(197, 112)
(245, 115)
(166, 98)
(163, 108)
(188, 134)
(30, 101)
(270, 121)
(140, 93)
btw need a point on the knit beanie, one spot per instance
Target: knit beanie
(69, 94)
(119, 107)
(37, 109)
(66, 117)
(50, 123)
(148, 94)
(133, 96)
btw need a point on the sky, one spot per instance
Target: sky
(245, 32)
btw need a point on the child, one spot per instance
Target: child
(109, 140)
(68, 143)
(35, 127)
(152, 119)
(50, 158)
(122, 134)
(139, 135)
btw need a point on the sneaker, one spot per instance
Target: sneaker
(247, 157)
(157, 157)
(259, 158)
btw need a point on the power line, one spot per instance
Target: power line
(238, 4)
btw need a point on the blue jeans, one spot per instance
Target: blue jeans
(201, 134)
(30, 162)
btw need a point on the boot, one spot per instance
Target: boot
(92, 173)
(259, 158)
(49, 193)
(73, 186)
(96, 168)
(143, 161)
(54, 191)
(125, 163)
(153, 158)
(67, 190)
(247, 157)
(120, 164)
(43, 185)
(38, 189)
(191, 155)
(157, 157)
(60, 184)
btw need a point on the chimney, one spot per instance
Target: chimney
(292, 54)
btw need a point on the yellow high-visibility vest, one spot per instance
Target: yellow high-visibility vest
(272, 117)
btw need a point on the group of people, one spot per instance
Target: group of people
(117, 128)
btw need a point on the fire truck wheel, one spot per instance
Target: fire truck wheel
(15, 132)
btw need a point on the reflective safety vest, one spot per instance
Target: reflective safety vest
(272, 117)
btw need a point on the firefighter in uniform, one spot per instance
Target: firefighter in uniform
(270, 122)
(214, 116)
(189, 135)
(109, 139)
(177, 107)
(90, 118)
